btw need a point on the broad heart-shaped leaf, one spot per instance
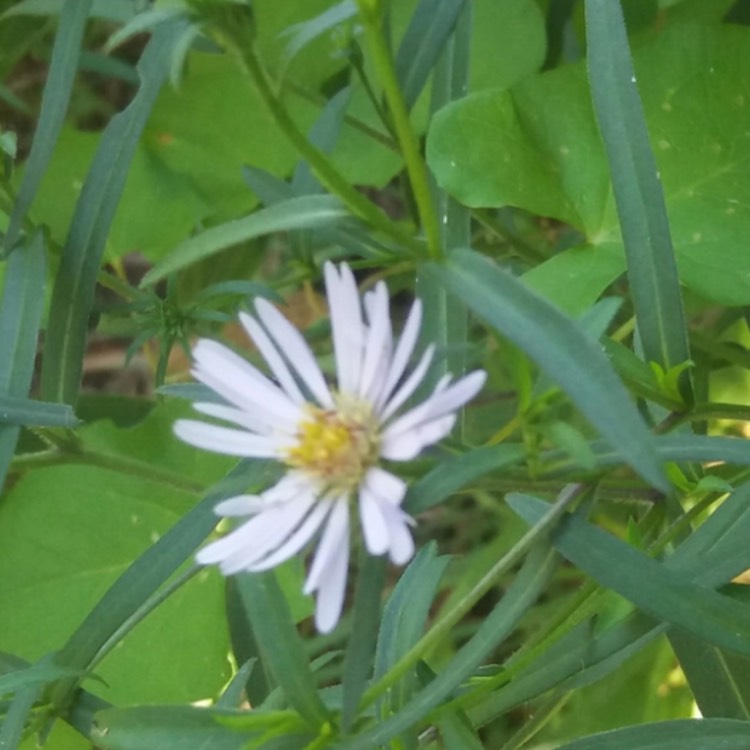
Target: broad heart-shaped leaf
(67, 532)
(537, 147)
(685, 734)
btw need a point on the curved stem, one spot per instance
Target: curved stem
(119, 464)
(449, 620)
(324, 170)
(415, 165)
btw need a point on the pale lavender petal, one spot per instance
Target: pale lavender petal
(267, 531)
(332, 589)
(346, 325)
(274, 360)
(410, 385)
(242, 505)
(374, 527)
(385, 485)
(225, 440)
(408, 444)
(401, 356)
(336, 530)
(297, 540)
(378, 343)
(258, 392)
(294, 347)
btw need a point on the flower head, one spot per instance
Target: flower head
(331, 440)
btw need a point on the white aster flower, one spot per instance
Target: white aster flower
(332, 440)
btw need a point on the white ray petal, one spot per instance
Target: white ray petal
(402, 541)
(294, 347)
(239, 375)
(409, 386)
(242, 505)
(332, 589)
(297, 540)
(401, 356)
(266, 532)
(291, 484)
(378, 343)
(337, 528)
(234, 415)
(236, 396)
(385, 485)
(273, 358)
(442, 401)
(374, 527)
(225, 440)
(408, 444)
(346, 325)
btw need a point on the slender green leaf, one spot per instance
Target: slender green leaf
(146, 575)
(652, 269)
(423, 43)
(140, 23)
(719, 680)
(166, 728)
(457, 732)
(25, 411)
(11, 730)
(280, 644)
(73, 293)
(62, 71)
(454, 474)
(234, 693)
(119, 11)
(301, 34)
(578, 658)
(296, 213)
(584, 655)
(324, 134)
(650, 585)
(36, 675)
(405, 617)
(12, 727)
(21, 309)
(445, 317)
(526, 587)
(358, 660)
(682, 448)
(682, 734)
(560, 348)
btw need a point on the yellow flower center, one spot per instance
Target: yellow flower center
(336, 446)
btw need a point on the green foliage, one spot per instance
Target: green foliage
(563, 185)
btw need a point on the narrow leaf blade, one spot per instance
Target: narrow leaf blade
(560, 348)
(652, 269)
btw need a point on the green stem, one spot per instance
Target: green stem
(523, 249)
(703, 412)
(118, 464)
(366, 130)
(415, 166)
(324, 170)
(450, 619)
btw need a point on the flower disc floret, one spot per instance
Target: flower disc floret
(336, 446)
